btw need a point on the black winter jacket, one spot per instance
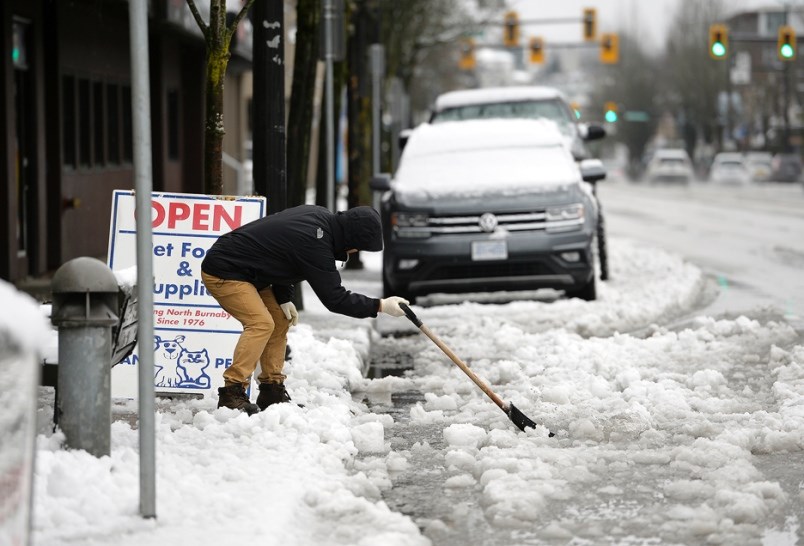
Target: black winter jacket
(296, 244)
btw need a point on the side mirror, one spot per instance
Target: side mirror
(593, 132)
(404, 134)
(592, 170)
(380, 182)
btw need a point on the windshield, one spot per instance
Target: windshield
(550, 109)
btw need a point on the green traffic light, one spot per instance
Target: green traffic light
(611, 116)
(577, 114)
(718, 49)
(786, 51)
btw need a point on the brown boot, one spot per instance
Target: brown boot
(272, 393)
(234, 397)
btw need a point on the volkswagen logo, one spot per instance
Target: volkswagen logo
(488, 222)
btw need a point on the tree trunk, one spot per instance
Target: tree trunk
(218, 38)
(213, 127)
(359, 101)
(300, 115)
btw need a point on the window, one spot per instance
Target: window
(84, 125)
(113, 122)
(98, 126)
(173, 124)
(773, 20)
(68, 122)
(97, 122)
(128, 129)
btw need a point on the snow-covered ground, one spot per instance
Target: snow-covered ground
(662, 418)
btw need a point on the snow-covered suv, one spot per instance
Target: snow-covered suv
(489, 205)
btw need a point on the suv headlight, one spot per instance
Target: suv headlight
(410, 224)
(565, 217)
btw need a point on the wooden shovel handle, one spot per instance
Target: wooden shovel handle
(458, 362)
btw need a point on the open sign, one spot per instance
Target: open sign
(192, 334)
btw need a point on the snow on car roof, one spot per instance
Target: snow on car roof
(485, 156)
(463, 97)
(428, 139)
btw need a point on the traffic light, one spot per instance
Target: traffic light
(786, 43)
(610, 112)
(609, 48)
(718, 41)
(576, 109)
(536, 50)
(511, 30)
(467, 60)
(589, 24)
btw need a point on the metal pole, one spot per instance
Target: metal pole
(729, 129)
(330, 104)
(377, 70)
(141, 109)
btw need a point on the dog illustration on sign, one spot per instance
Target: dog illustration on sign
(176, 366)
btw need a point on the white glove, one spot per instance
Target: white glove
(290, 312)
(390, 306)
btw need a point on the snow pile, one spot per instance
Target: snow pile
(664, 435)
(22, 326)
(692, 406)
(287, 475)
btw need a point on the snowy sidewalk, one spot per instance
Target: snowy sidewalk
(671, 427)
(286, 476)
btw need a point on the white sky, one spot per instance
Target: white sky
(650, 16)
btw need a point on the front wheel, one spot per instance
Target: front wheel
(602, 252)
(587, 292)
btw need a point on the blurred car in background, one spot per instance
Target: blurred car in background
(670, 165)
(786, 167)
(489, 205)
(519, 102)
(759, 165)
(729, 168)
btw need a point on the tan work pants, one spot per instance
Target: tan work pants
(265, 330)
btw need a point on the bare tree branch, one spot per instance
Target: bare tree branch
(240, 15)
(197, 16)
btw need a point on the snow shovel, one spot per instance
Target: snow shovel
(517, 417)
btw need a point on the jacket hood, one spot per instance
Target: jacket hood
(362, 230)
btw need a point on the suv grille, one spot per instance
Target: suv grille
(521, 221)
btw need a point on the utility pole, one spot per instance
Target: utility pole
(141, 107)
(377, 54)
(268, 106)
(328, 16)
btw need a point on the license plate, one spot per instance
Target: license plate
(489, 250)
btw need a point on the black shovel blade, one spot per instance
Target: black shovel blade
(520, 419)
